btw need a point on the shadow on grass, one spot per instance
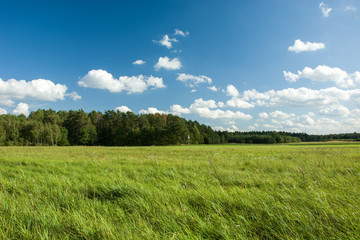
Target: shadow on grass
(104, 193)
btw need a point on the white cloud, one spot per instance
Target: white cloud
(239, 103)
(325, 125)
(233, 128)
(272, 127)
(203, 109)
(193, 81)
(6, 102)
(101, 79)
(38, 89)
(325, 10)
(178, 110)
(350, 8)
(300, 97)
(123, 108)
(176, 51)
(281, 115)
(74, 95)
(351, 125)
(309, 124)
(165, 62)
(139, 62)
(232, 91)
(199, 103)
(2, 111)
(209, 109)
(235, 101)
(288, 123)
(251, 128)
(300, 46)
(152, 110)
(213, 88)
(324, 73)
(290, 77)
(179, 32)
(219, 114)
(166, 41)
(335, 110)
(21, 108)
(355, 113)
(263, 115)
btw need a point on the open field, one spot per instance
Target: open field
(181, 192)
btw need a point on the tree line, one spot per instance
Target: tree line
(115, 128)
(112, 128)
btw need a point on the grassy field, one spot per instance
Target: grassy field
(181, 192)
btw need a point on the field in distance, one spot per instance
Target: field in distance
(181, 192)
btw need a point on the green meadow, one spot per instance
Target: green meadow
(181, 192)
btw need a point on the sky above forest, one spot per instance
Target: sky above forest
(283, 65)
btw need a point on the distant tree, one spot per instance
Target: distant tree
(2, 135)
(80, 129)
(176, 130)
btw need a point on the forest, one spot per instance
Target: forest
(115, 128)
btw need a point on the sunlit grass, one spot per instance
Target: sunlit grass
(183, 192)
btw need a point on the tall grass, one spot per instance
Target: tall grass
(183, 192)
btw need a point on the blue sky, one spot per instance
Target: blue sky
(235, 65)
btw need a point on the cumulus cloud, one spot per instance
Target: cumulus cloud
(204, 109)
(101, 79)
(239, 103)
(166, 41)
(324, 73)
(181, 33)
(281, 115)
(351, 125)
(263, 115)
(221, 104)
(21, 108)
(199, 103)
(74, 95)
(325, 125)
(139, 62)
(310, 124)
(335, 110)
(178, 110)
(38, 89)
(209, 109)
(290, 77)
(193, 81)
(166, 63)
(219, 114)
(233, 128)
(6, 102)
(2, 111)
(152, 110)
(232, 91)
(300, 46)
(213, 88)
(325, 10)
(278, 119)
(235, 101)
(123, 108)
(252, 128)
(300, 97)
